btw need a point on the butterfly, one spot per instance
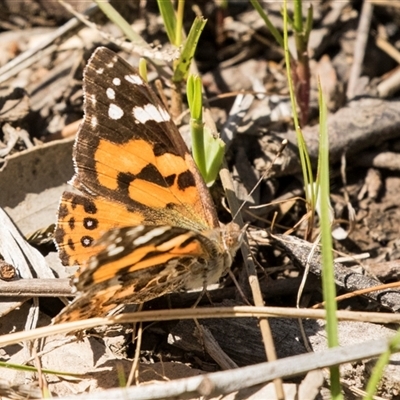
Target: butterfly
(143, 223)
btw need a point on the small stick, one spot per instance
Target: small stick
(36, 288)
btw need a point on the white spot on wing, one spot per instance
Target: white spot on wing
(86, 242)
(99, 71)
(135, 230)
(115, 112)
(150, 235)
(93, 122)
(150, 112)
(110, 93)
(116, 81)
(135, 79)
(93, 262)
(89, 223)
(113, 250)
(92, 99)
(111, 64)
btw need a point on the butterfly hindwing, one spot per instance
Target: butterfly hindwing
(151, 261)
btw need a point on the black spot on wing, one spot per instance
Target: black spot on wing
(151, 174)
(71, 244)
(90, 223)
(88, 205)
(161, 138)
(169, 180)
(86, 241)
(71, 223)
(186, 180)
(63, 211)
(189, 240)
(124, 179)
(75, 201)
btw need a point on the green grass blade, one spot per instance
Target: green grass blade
(194, 92)
(189, 48)
(195, 101)
(326, 237)
(28, 368)
(215, 152)
(114, 16)
(168, 15)
(298, 17)
(179, 22)
(143, 69)
(328, 280)
(309, 23)
(208, 151)
(305, 162)
(380, 365)
(274, 32)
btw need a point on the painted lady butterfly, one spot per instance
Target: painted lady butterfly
(144, 223)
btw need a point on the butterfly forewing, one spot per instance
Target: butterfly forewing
(129, 149)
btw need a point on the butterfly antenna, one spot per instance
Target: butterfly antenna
(277, 155)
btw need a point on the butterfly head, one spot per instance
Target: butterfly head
(232, 237)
